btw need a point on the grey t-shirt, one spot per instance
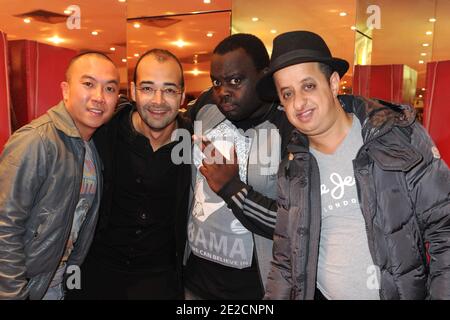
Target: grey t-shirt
(345, 266)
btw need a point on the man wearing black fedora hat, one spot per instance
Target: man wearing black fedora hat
(363, 196)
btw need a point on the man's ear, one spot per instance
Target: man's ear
(133, 91)
(335, 81)
(183, 96)
(65, 90)
(263, 72)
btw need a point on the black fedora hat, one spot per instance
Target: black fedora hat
(293, 48)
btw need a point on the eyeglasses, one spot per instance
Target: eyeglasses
(167, 93)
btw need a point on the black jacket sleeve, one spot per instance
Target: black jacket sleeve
(256, 212)
(430, 190)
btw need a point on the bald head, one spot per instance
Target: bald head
(85, 55)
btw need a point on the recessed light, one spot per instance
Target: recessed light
(137, 25)
(423, 54)
(179, 43)
(112, 49)
(55, 39)
(207, 1)
(67, 11)
(426, 44)
(420, 96)
(429, 33)
(432, 20)
(209, 34)
(273, 31)
(345, 82)
(27, 20)
(195, 72)
(136, 54)
(343, 88)
(124, 60)
(343, 14)
(423, 89)
(94, 33)
(122, 0)
(254, 19)
(421, 62)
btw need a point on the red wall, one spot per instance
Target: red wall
(5, 117)
(36, 73)
(383, 82)
(437, 106)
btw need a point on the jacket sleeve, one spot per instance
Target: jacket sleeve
(430, 184)
(22, 171)
(256, 212)
(279, 282)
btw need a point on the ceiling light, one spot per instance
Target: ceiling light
(67, 11)
(344, 82)
(55, 40)
(429, 33)
(432, 20)
(207, 1)
(254, 19)
(343, 14)
(420, 96)
(423, 54)
(137, 25)
(136, 55)
(343, 88)
(423, 89)
(124, 60)
(195, 72)
(112, 49)
(273, 31)
(353, 28)
(179, 43)
(425, 44)
(122, 0)
(27, 20)
(94, 33)
(209, 34)
(421, 62)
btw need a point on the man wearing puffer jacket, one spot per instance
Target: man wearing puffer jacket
(363, 196)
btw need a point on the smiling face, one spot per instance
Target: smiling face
(308, 97)
(91, 92)
(158, 91)
(234, 77)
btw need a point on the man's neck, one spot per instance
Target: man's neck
(255, 118)
(157, 138)
(329, 141)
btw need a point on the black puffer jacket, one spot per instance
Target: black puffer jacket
(404, 193)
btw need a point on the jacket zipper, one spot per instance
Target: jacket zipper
(369, 231)
(314, 228)
(68, 227)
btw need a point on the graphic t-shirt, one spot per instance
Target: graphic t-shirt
(345, 267)
(214, 233)
(87, 195)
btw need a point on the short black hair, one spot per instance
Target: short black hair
(326, 70)
(86, 53)
(251, 44)
(161, 55)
